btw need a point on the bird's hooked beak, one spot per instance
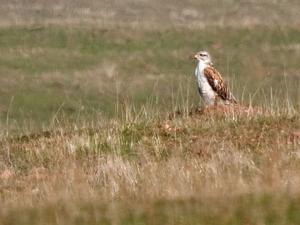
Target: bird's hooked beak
(193, 56)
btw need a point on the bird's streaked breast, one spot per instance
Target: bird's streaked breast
(205, 90)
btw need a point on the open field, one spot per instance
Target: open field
(99, 122)
(151, 14)
(199, 169)
(84, 72)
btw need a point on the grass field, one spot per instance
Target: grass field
(98, 120)
(52, 71)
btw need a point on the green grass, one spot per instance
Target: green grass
(51, 68)
(249, 209)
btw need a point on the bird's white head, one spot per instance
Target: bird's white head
(204, 57)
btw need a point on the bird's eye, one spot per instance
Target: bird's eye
(202, 54)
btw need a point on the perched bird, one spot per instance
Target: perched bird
(211, 85)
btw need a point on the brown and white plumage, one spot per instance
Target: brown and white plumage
(212, 88)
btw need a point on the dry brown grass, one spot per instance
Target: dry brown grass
(206, 157)
(149, 14)
(186, 157)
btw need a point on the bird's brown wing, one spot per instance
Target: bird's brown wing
(217, 83)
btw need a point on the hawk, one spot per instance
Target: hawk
(211, 86)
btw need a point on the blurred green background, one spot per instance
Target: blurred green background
(90, 72)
